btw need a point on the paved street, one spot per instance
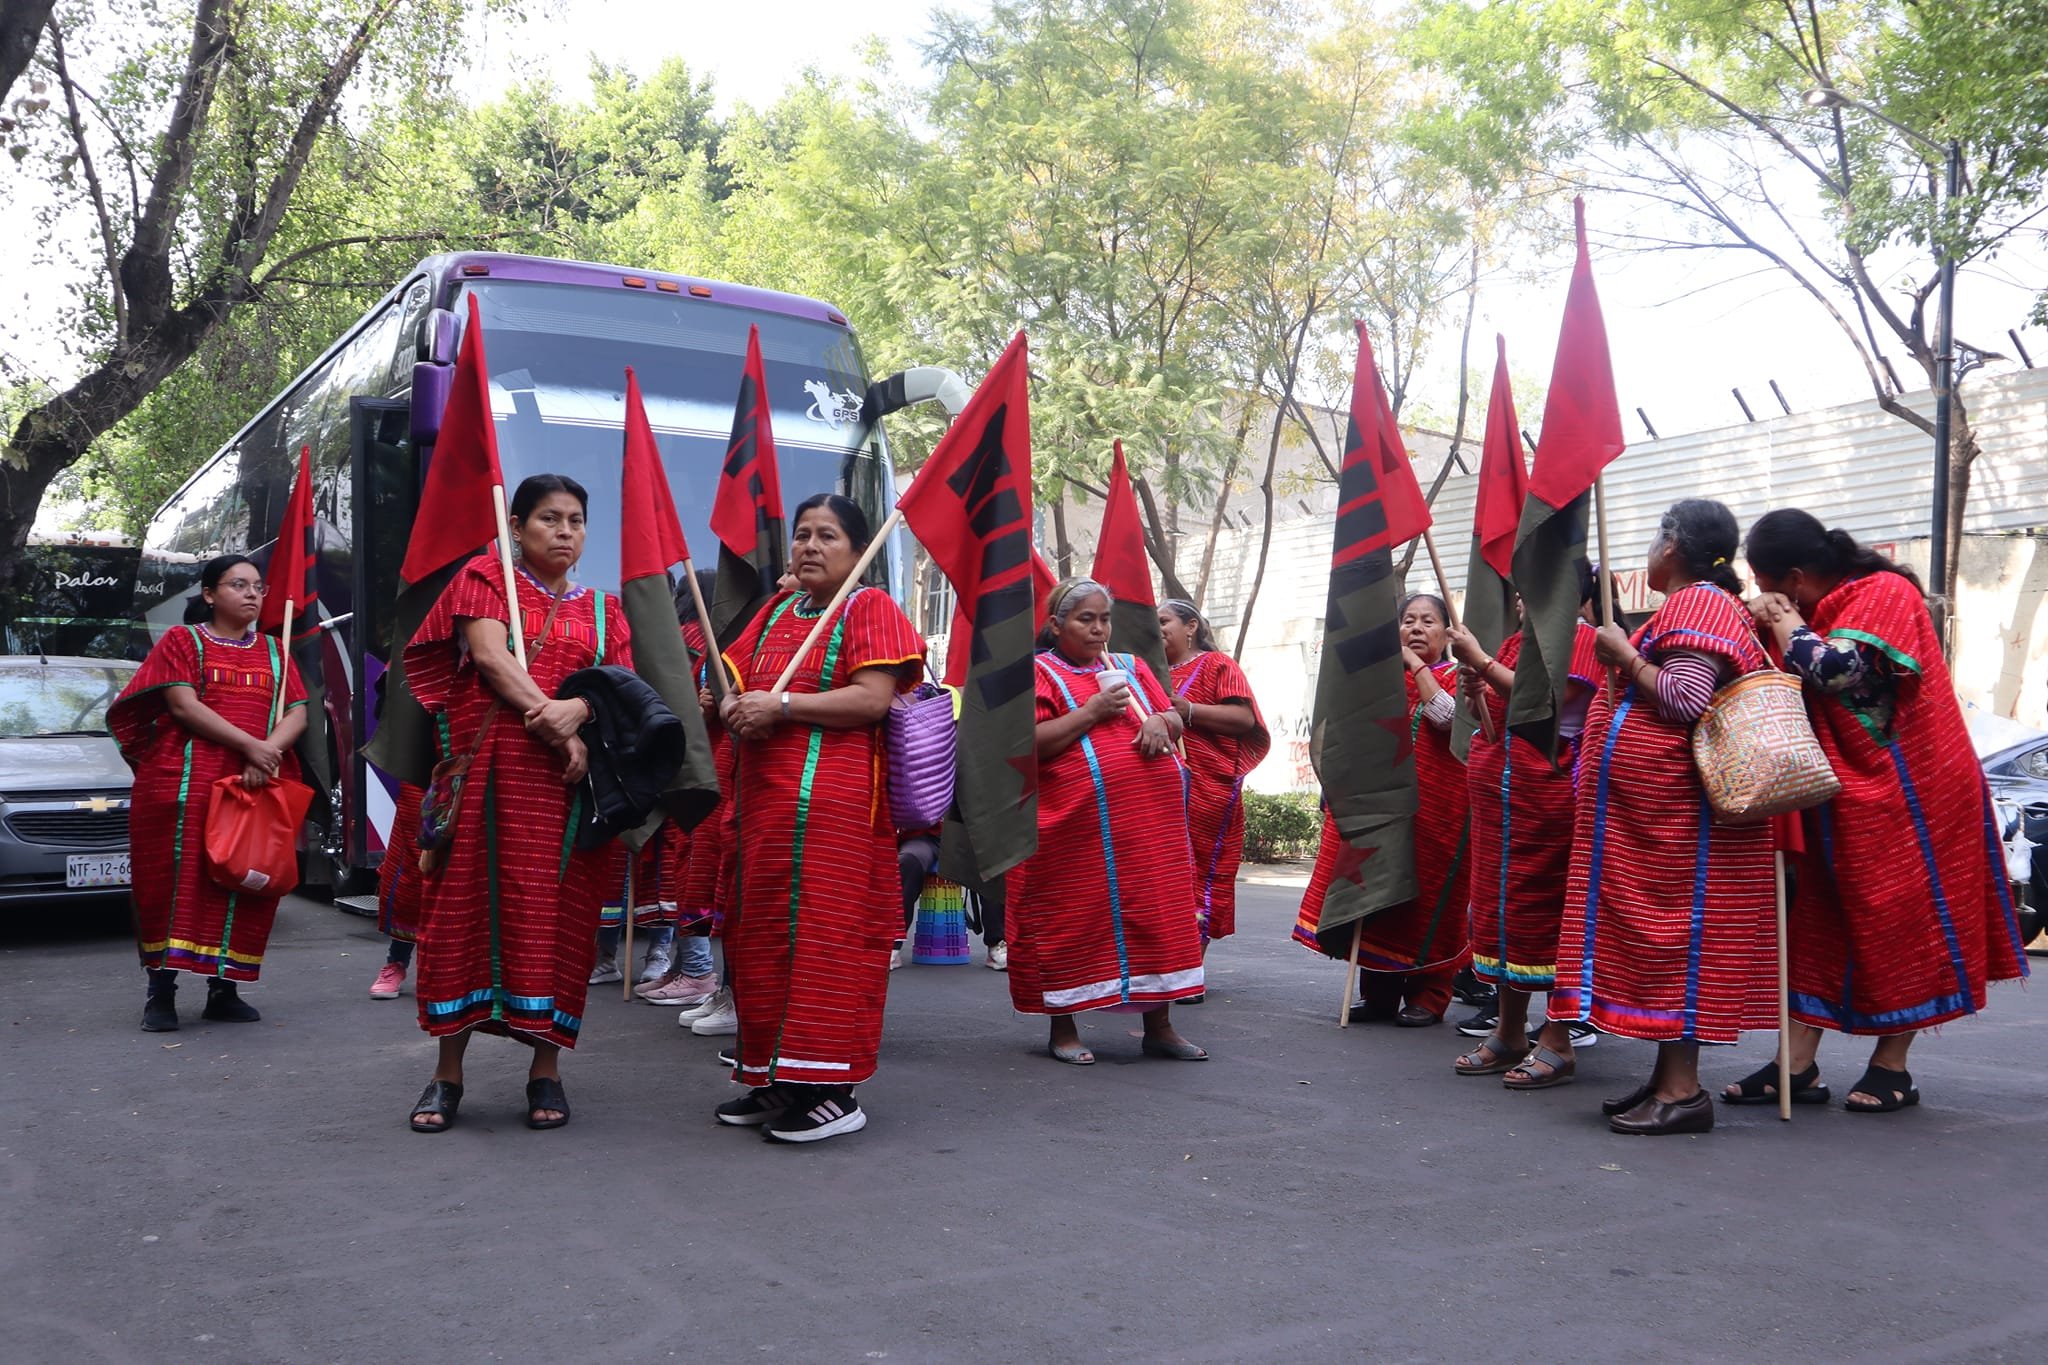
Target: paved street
(251, 1193)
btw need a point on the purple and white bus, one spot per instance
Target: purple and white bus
(560, 336)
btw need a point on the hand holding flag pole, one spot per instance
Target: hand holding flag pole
(1443, 587)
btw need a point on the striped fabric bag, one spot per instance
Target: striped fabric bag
(1756, 751)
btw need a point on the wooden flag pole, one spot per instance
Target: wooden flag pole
(1784, 1005)
(1351, 973)
(714, 665)
(626, 975)
(1443, 588)
(845, 590)
(515, 621)
(285, 655)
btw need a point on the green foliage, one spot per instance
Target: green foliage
(1282, 828)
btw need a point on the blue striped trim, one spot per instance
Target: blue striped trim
(1697, 934)
(1599, 854)
(1827, 853)
(1116, 900)
(1891, 1021)
(1941, 906)
(1507, 822)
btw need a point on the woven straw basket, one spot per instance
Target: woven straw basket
(1756, 751)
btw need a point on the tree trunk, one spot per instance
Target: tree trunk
(1244, 620)
(1963, 451)
(21, 29)
(1062, 548)
(1159, 541)
(1216, 513)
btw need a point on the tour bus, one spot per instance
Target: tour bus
(79, 601)
(559, 336)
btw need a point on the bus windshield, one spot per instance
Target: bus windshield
(558, 355)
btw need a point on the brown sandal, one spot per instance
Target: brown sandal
(1498, 1056)
(1563, 1070)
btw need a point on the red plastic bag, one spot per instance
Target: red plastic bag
(252, 835)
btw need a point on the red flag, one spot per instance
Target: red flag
(1393, 511)
(650, 537)
(1503, 478)
(1581, 416)
(456, 517)
(293, 558)
(749, 488)
(970, 506)
(1120, 562)
(1043, 581)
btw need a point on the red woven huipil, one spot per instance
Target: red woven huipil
(184, 920)
(1903, 914)
(1432, 931)
(1217, 767)
(1521, 838)
(819, 901)
(508, 925)
(1669, 922)
(1103, 913)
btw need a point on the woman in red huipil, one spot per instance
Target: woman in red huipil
(818, 907)
(1522, 810)
(1668, 923)
(1408, 955)
(197, 710)
(1903, 915)
(508, 917)
(1102, 916)
(1225, 738)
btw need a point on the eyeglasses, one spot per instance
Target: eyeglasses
(246, 585)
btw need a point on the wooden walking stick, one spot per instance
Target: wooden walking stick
(1784, 1003)
(714, 667)
(845, 590)
(515, 623)
(1443, 587)
(1351, 974)
(284, 641)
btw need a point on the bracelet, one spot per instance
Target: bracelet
(785, 706)
(1635, 670)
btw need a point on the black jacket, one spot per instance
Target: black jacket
(636, 746)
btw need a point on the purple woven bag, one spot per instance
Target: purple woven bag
(920, 742)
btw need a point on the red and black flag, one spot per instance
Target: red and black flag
(294, 559)
(970, 507)
(1496, 515)
(1121, 567)
(1360, 743)
(746, 512)
(1581, 435)
(650, 544)
(457, 517)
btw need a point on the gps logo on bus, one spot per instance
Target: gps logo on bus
(85, 580)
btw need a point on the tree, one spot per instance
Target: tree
(1694, 109)
(187, 157)
(21, 28)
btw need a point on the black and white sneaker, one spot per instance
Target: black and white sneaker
(834, 1111)
(764, 1104)
(1480, 1025)
(1583, 1033)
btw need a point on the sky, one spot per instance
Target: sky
(1684, 327)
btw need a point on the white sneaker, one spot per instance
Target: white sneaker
(657, 964)
(697, 1009)
(606, 972)
(895, 957)
(999, 957)
(722, 1018)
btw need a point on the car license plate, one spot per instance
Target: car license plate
(96, 869)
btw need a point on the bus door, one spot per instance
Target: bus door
(385, 492)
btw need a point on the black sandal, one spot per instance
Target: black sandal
(1895, 1086)
(1761, 1086)
(545, 1092)
(440, 1098)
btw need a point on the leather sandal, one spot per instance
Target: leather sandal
(1761, 1086)
(440, 1098)
(1563, 1070)
(1490, 1058)
(545, 1092)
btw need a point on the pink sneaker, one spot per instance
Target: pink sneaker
(388, 982)
(684, 990)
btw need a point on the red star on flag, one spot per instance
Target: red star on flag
(1351, 862)
(1402, 728)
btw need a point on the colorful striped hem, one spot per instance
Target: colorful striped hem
(1518, 975)
(523, 1013)
(1811, 1009)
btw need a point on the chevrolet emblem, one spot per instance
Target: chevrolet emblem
(100, 805)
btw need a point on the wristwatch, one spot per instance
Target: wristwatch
(785, 706)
